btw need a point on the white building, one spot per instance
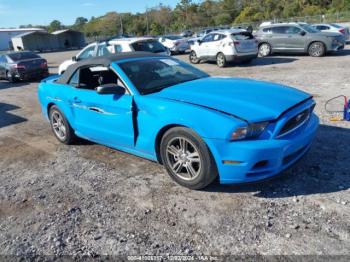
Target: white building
(7, 34)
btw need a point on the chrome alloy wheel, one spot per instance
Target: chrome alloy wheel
(183, 158)
(316, 49)
(58, 125)
(264, 50)
(221, 60)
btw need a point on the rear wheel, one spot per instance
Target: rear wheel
(317, 49)
(264, 50)
(221, 60)
(187, 158)
(193, 58)
(60, 126)
(10, 77)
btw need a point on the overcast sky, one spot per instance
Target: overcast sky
(41, 12)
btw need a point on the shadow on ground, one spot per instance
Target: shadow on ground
(5, 84)
(270, 60)
(323, 170)
(6, 118)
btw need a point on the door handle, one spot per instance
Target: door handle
(95, 109)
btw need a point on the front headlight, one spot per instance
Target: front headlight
(250, 131)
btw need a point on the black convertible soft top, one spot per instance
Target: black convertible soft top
(102, 61)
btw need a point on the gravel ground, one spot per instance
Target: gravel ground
(91, 200)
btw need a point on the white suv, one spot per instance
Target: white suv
(114, 46)
(224, 46)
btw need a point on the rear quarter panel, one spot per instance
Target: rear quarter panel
(51, 93)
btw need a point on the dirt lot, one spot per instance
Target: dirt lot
(92, 200)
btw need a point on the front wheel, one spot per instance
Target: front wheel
(193, 58)
(10, 77)
(221, 60)
(317, 49)
(264, 50)
(60, 126)
(187, 158)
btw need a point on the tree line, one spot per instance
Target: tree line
(162, 19)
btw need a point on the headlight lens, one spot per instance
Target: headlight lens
(250, 131)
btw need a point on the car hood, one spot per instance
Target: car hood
(251, 100)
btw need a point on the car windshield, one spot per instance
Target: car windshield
(309, 28)
(22, 56)
(154, 74)
(149, 46)
(173, 37)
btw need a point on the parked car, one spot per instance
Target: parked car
(297, 38)
(224, 47)
(187, 33)
(333, 28)
(199, 127)
(176, 44)
(113, 46)
(16, 66)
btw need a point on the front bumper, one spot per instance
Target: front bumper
(261, 159)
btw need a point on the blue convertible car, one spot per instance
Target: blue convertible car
(199, 127)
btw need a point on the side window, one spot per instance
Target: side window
(222, 37)
(91, 77)
(280, 29)
(293, 30)
(2, 59)
(118, 49)
(87, 53)
(267, 30)
(208, 38)
(102, 50)
(74, 81)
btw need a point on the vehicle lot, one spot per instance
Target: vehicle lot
(92, 200)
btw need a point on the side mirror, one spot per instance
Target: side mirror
(302, 33)
(199, 42)
(74, 58)
(110, 89)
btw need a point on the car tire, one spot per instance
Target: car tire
(317, 49)
(221, 60)
(60, 126)
(264, 50)
(9, 77)
(193, 58)
(187, 158)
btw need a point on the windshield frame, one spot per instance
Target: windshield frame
(158, 88)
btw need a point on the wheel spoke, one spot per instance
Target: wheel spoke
(183, 145)
(177, 167)
(172, 150)
(55, 125)
(190, 170)
(194, 157)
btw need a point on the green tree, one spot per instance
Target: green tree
(54, 26)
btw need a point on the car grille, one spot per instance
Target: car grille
(295, 122)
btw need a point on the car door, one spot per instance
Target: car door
(296, 38)
(278, 37)
(205, 45)
(107, 119)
